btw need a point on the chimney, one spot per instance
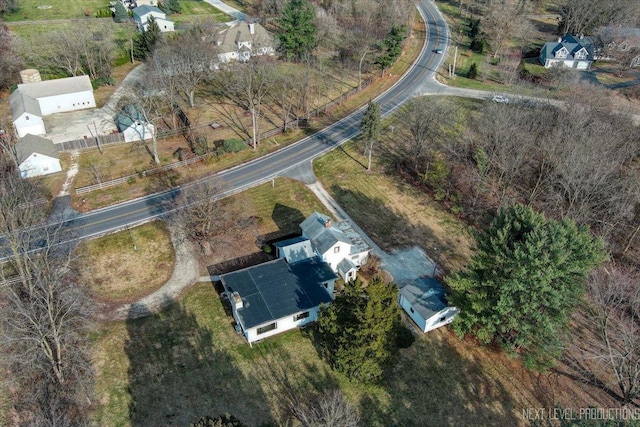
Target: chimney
(236, 300)
(327, 223)
(559, 39)
(252, 28)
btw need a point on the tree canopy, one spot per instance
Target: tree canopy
(120, 15)
(358, 332)
(297, 31)
(391, 46)
(526, 277)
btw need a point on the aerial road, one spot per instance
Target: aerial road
(419, 79)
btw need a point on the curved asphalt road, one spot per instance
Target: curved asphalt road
(419, 79)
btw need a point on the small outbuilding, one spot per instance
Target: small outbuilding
(36, 156)
(276, 296)
(132, 124)
(424, 301)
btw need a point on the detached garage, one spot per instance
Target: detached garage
(36, 156)
(32, 101)
(424, 301)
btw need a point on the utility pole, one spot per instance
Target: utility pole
(455, 57)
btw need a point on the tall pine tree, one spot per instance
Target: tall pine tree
(370, 126)
(120, 15)
(146, 41)
(523, 283)
(358, 332)
(297, 31)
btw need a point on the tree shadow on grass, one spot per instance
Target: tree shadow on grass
(391, 229)
(295, 383)
(176, 374)
(434, 385)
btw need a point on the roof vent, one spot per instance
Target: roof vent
(236, 300)
(327, 223)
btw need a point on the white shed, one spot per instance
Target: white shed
(130, 121)
(423, 300)
(36, 156)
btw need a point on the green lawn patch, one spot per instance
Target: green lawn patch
(36, 10)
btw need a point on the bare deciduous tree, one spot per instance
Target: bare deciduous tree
(204, 213)
(187, 60)
(586, 16)
(331, 408)
(504, 22)
(44, 314)
(10, 62)
(613, 360)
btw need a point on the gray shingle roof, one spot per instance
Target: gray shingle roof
(571, 43)
(322, 237)
(140, 11)
(130, 113)
(276, 289)
(345, 266)
(24, 98)
(296, 249)
(426, 295)
(30, 144)
(228, 39)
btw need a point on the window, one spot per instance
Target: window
(301, 316)
(336, 249)
(267, 328)
(443, 318)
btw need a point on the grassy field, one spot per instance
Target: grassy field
(41, 10)
(112, 269)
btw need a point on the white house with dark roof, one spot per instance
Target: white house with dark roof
(424, 302)
(143, 14)
(568, 51)
(36, 156)
(242, 41)
(277, 296)
(339, 245)
(32, 101)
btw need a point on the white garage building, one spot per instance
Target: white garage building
(36, 156)
(32, 101)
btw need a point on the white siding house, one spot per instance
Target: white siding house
(36, 156)
(277, 296)
(143, 14)
(339, 245)
(568, 52)
(32, 101)
(424, 302)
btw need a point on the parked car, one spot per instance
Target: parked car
(500, 98)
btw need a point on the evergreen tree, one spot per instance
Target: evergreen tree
(171, 6)
(121, 14)
(391, 47)
(358, 332)
(146, 41)
(523, 283)
(473, 71)
(370, 126)
(297, 31)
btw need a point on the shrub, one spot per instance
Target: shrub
(234, 145)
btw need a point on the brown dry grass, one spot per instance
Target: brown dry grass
(125, 266)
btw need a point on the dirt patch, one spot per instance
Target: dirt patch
(125, 266)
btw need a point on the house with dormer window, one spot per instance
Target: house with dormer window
(569, 51)
(242, 41)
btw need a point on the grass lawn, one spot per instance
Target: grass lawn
(127, 265)
(37, 10)
(194, 9)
